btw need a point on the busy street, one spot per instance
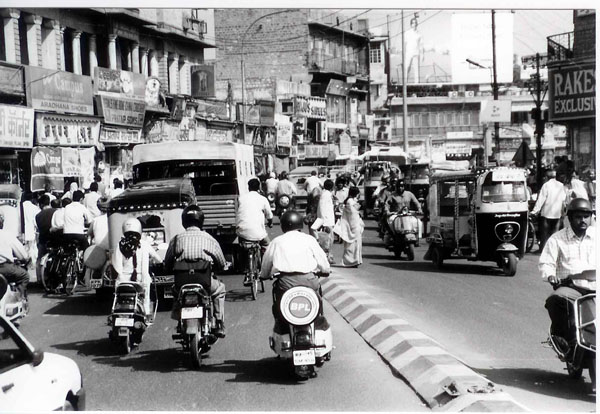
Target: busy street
(298, 209)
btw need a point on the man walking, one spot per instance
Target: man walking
(549, 206)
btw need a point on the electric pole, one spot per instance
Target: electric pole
(495, 87)
(540, 123)
(404, 92)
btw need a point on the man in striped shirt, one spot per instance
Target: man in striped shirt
(569, 252)
(197, 246)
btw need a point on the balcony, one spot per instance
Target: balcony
(570, 45)
(323, 62)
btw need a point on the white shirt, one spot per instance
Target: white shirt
(58, 218)
(271, 185)
(550, 199)
(565, 254)
(286, 187)
(325, 208)
(253, 208)
(11, 247)
(116, 191)
(90, 201)
(76, 215)
(124, 266)
(98, 231)
(312, 182)
(294, 251)
(30, 210)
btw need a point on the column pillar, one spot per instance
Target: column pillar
(34, 36)
(173, 62)
(61, 40)
(184, 76)
(135, 57)
(10, 19)
(112, 51)
(144, 69)
(50, 44)
(93, 53)
(127, 52)
(76, 42)
(153, 66)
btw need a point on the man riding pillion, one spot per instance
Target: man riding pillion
(395, 202)
(194, 249)
(11, 248)
(253, 209)
(568, 252)
(131, 260)
(296, 257)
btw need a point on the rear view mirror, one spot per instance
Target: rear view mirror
(38, 357)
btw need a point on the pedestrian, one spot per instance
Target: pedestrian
(549, 206)
(10, 250)
(589, 178)
(118, 188)
(72, 187)
(90, 200)
(350, 229)
(326, 214)
(101, 185)
(43, 224)
(30, 210)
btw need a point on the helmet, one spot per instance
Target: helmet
(579, 204)
(132, 225)
(192, 216)
(272, 174)
(291, 220)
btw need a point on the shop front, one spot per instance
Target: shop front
(16, 141)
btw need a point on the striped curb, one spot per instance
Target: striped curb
(441, 380)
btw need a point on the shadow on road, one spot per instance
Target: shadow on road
(86, 304)
(241, 295)
(266, 370)
(453, 268)
(542, 382)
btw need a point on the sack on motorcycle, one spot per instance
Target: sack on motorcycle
(192, 272)
(94, 257)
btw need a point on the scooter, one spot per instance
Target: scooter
(584, 318)
(271, 198)
(128, 317)
(284, 202)
(12, 304)
(306, 340)
(196, 322)
(403, 227)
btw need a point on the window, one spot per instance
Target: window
(326, 46)
(375, 54)
(500, 191)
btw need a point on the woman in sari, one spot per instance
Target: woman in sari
(350, 229)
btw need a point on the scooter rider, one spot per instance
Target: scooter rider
(396, 201)
(131, 261)
(296, 257)
(194, 248)
(568, 252)
(286, 187)
(11, 247)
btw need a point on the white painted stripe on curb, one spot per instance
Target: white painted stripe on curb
(439, 372)
(412, 354)
(388, 344)
(374, 330)
(361, 318)
(460, 403)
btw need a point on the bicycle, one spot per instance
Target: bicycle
(253, 263)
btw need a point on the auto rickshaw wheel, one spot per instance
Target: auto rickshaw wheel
(437, 257)
(410, 252)
(509, 264)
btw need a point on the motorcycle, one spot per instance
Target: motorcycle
(12, 303)
(196, 321)
(306, 341)
(128, 317)
(584, 317)
(271, 198)
(284, 202)
(403, 227)
(62, 267)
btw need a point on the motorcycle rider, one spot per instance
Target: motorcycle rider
(11, 248)
(296, 256)
(253, 208)
(131, 261)
(76, 216)
(286, 187)
(395, 203)
(568, 252)
(193, 249)
(271, 183)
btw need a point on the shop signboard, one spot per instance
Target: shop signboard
(203, 81)
(310, 107)
(66, 130)
(283, 130)
(338, 87)
(219, 135)
(52, 90)
(495, 111)
(119, 82)
(154, 98)
(212, 109)
(46, 168)
(70, 162)
(345, 144)
(572, 92)
(267, 113)
(316, 151)
(122, 111)
(11, 80)
(117, 135)
(16, 127)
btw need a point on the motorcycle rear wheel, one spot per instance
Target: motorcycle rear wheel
(195, 350)
(125, 344)
(47, 277)
(437, 257)
(410, 252)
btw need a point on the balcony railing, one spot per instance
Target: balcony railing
(323, 62)
(560, 46)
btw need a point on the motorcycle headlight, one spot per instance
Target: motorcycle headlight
(507, 231)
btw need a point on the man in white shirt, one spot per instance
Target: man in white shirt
(96, 256)
(271, 183)
(549, 207)
(326, 213)
(11, 249)
(296, 256)
(312, 182)
(90, 200)
(58, 218)
(253, 209)
(285, 186)
(76, 218)
(568, 252)
(30, 210)
(118, 188)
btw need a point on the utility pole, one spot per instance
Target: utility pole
(404, 92)
(540, 123)
(495, 86)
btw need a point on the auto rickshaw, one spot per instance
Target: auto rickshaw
(10, 205)
(158, 205)
(373, 172)
(478, 216)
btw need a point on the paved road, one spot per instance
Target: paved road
(241, 373)
(495, 324)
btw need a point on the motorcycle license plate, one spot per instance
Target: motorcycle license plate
(304, 357)
(124, 322)
(96, 283)
(168, 293)
(411, 237)
(192, 313)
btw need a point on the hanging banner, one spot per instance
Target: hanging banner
(46, 168)
(154, 98)
(122, 111)
(16, 126)
(284, 130)
(54, 90)
(70, 162)
(86, 162)
(66, 130)
(119, 82)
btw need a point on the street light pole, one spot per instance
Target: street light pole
(495, 86)
(243, 67)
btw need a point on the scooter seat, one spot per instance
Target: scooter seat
(130, 288)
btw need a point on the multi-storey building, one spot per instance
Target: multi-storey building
(80, 86)
(572, 86)
(321, 58)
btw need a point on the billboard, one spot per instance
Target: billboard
(472, 39)
(572, 92)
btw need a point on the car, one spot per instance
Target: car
(298, 176)
(32, 380)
